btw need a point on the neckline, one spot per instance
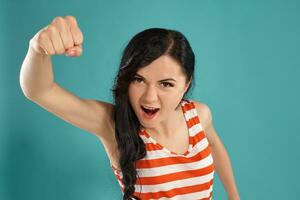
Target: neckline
(189, 135)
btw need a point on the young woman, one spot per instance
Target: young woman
(161, 145)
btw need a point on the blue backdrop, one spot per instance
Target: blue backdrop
(247, 71)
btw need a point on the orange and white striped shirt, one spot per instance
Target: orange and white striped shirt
(164, 174)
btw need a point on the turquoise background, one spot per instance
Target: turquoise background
(247, 71)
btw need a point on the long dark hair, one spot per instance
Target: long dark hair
(142, 49)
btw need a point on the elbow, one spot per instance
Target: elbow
(25, 91)
(26, 94)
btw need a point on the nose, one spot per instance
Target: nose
(150, 95)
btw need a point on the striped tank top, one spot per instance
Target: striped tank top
(163, 174)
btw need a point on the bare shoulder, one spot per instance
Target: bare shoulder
(204, 113)
(107, 108)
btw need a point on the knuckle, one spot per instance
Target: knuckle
(42, 36)
(58, 23)
(51, 28)
(58, 19)
(70, 17)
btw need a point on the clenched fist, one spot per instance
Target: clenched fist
(62, 36)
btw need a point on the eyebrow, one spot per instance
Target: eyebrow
(167, 79)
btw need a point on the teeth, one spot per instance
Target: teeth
(150, 108)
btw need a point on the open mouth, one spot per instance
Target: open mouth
(150, 112)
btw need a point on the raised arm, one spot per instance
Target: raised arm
(61, 36)
(37, 82)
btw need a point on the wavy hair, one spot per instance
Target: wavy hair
(141, 50)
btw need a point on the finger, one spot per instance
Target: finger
(46, 44)
(77, 35)
(64, 32)
(56, 40)
(74, 51)
(75, 30)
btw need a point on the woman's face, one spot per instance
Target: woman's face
(161, 85)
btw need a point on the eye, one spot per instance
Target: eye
(137, 79)
(166, 84)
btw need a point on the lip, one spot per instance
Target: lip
(145, 116)
(149, 106)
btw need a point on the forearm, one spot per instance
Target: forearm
(223, 167)
(36, 74)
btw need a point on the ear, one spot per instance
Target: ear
(187, 85)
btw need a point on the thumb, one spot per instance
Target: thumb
(74, 51)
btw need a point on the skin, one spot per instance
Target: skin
(150, 91)
(61, 37)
